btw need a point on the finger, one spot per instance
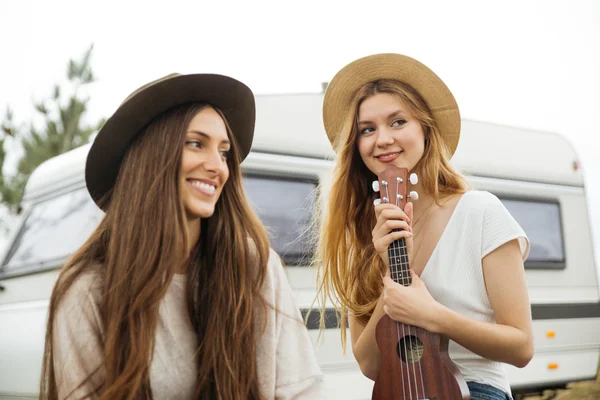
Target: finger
(392, 224)
(384, 206)
(390, 215)
(384, 242)
(414, 276)
(396, 213)
(385, 310)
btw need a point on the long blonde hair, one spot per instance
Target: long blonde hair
(349, 268)
(137, 246)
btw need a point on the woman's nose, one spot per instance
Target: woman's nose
(384, 137)
(215, 162)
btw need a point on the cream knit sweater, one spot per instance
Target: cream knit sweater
(287, 366)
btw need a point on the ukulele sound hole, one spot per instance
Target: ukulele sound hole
(410, 349)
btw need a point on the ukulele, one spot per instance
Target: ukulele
(414, 362)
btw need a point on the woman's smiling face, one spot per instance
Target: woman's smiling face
(388, 134)
(204, 170)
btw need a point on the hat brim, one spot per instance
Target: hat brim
(229, 95)
(346, 83)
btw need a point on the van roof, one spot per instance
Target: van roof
(291, 124)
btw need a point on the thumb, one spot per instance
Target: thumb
(415, 278)
(408, 209)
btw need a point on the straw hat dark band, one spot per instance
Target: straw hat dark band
(345, 84)
(232, 97)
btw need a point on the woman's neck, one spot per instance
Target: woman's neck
(193, 234)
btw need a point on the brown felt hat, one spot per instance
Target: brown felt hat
(231, 96)
(344, 85)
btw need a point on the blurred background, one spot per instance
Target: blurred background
(530, 64)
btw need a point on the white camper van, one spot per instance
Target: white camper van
(535, 174)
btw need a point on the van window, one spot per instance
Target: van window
(52, 231)
(542, 223)
(285, 207)
(57, 227)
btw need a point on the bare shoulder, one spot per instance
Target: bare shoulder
(450, 201)
(445, 206)
(472, 199)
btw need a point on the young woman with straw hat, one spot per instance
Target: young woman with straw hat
(176, 295)
(465, 250)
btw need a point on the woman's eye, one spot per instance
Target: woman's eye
(226, 154)
(193, 143)
(398, 122)
(364, 131)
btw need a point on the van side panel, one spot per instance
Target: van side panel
(23, 314)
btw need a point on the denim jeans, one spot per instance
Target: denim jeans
(481, 391)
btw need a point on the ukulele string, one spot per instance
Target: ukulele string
(396, 252)
(407, 281)
(406, 342)
(393, 268)
(404, 351)
(415, 343)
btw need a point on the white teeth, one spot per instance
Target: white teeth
(389, 155)
(204, 186)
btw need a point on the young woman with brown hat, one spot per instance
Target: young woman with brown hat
(465, 250)
(176, 295)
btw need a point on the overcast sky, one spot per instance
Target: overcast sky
(533, 64)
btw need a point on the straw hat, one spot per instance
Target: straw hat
(344, 85)
(232, 97)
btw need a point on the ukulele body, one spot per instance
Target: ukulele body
(415, 365)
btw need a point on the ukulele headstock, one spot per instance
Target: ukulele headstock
(392, 185)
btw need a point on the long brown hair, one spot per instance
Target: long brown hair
(137, 247)
(349, 268)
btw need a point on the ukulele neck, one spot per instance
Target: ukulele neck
(399, 267)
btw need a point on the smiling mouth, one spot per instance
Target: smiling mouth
(388, 156)
(203, 187)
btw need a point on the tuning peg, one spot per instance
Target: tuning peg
(413, 195)
(376, 186)
(413, 178)
(376, 202)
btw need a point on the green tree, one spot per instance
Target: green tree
(63, 130)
